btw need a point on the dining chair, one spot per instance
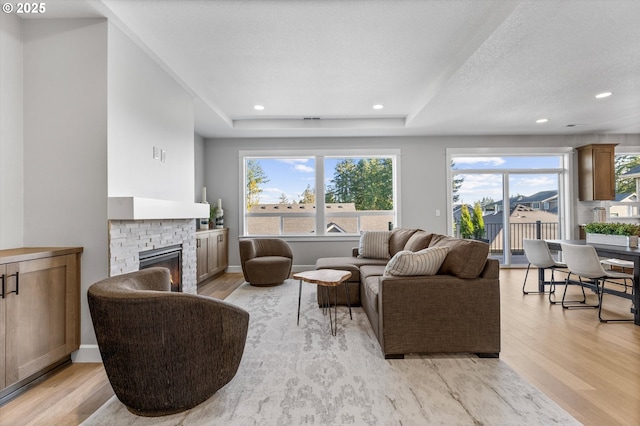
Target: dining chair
(538, 254)
(618, 263)
(583, 261)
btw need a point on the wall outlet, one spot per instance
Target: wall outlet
(437, 213)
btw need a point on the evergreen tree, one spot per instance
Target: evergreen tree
(456, 183)
(478, 221)
(255, 179)
(466, 224)
(308, 196)
(624, 163)
(283, 199)
(368, 183)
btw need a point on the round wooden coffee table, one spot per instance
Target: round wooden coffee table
(325, 278)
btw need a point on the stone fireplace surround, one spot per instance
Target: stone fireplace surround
(127, 238)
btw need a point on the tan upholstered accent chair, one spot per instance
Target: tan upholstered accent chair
(265, 261)
(164, 352)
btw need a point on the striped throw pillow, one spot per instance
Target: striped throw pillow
(423, 262)
(374, 244)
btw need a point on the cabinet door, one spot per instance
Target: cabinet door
(223, 256)
(3, 272)
(213, 252)
(202, 256)
(42, 318)
(604, 173)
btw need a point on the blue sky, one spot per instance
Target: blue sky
(476, 186)
(291, 176)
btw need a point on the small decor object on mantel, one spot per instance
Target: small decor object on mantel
(615, 234)
(219, 215)
(203, 222)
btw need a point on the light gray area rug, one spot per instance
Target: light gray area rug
(302, 375)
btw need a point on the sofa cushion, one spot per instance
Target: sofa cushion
(374, 244)
(371, 275)
(398, 239)
(351, 264)
(423, 262)
(466, 258)
(418, 241)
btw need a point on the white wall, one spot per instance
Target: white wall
(11, 137)
(147, 108)
(199, 165)
(423, 177)
(65, 143)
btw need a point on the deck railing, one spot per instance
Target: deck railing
(494, 233)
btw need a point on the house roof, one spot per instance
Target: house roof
(633, 172)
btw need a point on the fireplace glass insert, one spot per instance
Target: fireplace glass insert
(167, 257)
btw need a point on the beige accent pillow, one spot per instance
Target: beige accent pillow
(466, 258)
(374, 244)
(418, 241)
(423, 262)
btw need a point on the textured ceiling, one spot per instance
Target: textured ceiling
(460, 67)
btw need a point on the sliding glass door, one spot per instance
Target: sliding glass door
(503, 200)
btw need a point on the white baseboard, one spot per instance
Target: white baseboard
(86, 353)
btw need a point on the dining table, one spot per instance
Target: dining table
(612, 251)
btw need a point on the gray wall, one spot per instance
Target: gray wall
(423, 179)
(74, 86)
(11, 135)
(65, 143)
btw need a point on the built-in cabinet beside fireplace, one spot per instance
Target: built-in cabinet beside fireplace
(39, 312)
(212, 252)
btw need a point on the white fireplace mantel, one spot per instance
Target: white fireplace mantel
(138, 208)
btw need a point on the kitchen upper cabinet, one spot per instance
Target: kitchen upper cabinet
(596, 172)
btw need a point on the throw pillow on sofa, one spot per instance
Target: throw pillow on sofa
(419, 241)
(374, 244)
(466, 258)
(423, 262)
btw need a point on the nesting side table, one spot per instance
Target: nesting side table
(325, 278)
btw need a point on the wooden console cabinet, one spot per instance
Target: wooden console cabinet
(596, 172)
(212, 248)
(39, 312)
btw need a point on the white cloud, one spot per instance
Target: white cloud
(303, 168)
(293, 160)
(494, 161)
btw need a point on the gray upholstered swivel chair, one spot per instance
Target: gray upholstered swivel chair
(164, 352)
(265, 261)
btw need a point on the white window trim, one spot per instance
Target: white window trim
(319, 156)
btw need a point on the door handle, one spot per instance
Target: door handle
(4, 281)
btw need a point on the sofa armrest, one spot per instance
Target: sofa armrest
(491, 269)
(440, 313)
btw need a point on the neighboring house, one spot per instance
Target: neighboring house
(525, 212)
(621, 210)
(543, 200)
(299, 219)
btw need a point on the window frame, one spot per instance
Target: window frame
(564, 171)
(319, 157)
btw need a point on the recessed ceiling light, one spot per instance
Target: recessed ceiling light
(542, 120)
(603, 95)
(258, 107)
(378, 106)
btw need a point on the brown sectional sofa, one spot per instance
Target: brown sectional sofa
(456, 310)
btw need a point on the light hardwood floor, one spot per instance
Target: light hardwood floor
(590, 369)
